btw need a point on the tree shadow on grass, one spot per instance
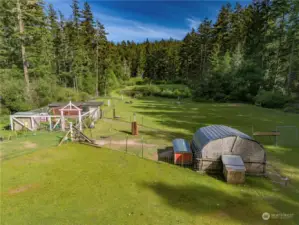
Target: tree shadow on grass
(125, 132)
(204, 200)
(163, 135)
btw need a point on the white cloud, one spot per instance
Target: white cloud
(120, 29)
(123, 29)
(193, 22)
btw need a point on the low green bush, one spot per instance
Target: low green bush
(155, 90)
(220, 97)
(138, 95)
(270, 99)
(67, 94)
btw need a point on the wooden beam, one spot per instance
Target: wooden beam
(22, 124)
(274, 133)
(63, 139)
(56, 124)
(32, 123)
(50, 124)
(80, 121)
(70, 110)
(11, 122)
(35, 116)
(62, 121)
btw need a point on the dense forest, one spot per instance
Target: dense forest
(249, 54)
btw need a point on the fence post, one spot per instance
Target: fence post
(71, 130)
(127, 143)
(276, 137)
(142, 146)
(110, 142)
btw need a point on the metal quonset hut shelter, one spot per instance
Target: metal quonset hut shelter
(182, 153)
(211, 142)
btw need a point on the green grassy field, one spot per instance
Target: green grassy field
(76, 184)
(28, 143)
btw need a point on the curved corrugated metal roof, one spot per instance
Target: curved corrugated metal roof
(180, 145)
(206, 134)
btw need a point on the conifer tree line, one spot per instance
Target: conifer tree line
(47, 56)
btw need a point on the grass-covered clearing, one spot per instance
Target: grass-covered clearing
(27, 143)
(77, 184)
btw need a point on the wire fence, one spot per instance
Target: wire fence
(147, 148)
(14, 135)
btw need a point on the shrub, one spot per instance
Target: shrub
(271, 99)
(292, 108)
(160, 82)
(138, 95)
(186, 92)
(177, 92)
(84, 96)
(154, 90)
(220, 97)
(167, 93)
(68, 94)
(4, 110)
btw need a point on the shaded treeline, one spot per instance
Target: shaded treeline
(46, 56)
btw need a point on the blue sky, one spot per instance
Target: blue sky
(139, 20)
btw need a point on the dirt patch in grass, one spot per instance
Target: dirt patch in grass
(22, 189)
(28, 144)
(122, 142)
(234, 105)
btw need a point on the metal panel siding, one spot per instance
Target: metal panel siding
(206, 134)
(181, 145)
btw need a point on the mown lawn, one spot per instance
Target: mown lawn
(78, 184)
(27, 143)
(185, 118)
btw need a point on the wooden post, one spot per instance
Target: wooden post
(134, 128)
(98, 113)
(11, 123)
(127, 144)
(62, 120)
(80, 121)
(108, 102)
(71, 130)
(276, 137)
(32, 123)
(142, 146)
(114, 113)
(50, 123)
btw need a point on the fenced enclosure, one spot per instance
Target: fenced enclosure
(116, 135)
(155, 136)
(21, 143)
